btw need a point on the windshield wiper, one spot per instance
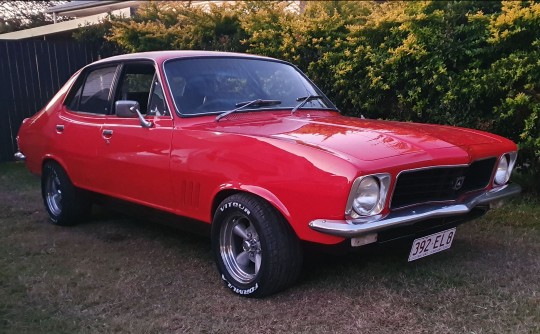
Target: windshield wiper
(254, 103)
(305, 99)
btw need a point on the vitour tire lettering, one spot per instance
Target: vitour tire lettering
(255, 249)
(235, 205)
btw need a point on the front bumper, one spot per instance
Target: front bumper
(356, 228)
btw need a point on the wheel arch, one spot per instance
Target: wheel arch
(259, 192)
(59, 162)
(52, 159)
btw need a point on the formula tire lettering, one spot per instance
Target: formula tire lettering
(240, 291)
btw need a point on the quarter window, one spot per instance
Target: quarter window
(157, 106)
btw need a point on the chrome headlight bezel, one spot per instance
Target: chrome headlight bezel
(505, 165)
(363, 186)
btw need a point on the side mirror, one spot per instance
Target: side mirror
(123, 108)
(130, 109)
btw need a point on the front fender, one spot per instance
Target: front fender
(301, 182)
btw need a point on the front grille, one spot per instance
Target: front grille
(441, 183)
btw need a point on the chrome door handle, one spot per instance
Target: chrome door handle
(59, 128)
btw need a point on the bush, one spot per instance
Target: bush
(464, 63)
(178, 25)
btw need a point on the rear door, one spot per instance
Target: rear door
(137, 159)
(78, 128)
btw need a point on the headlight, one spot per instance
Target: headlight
(504, 168)
(368, 195)
(501, 176)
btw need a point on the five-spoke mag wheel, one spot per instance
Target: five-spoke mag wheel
(256, 251)
(240, 248)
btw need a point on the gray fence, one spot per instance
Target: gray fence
(31, 72)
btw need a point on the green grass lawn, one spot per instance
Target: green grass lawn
(119, 274)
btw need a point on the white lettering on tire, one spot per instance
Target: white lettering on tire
(240, 291)
(235, 205)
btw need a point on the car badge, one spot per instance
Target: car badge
(458, 183)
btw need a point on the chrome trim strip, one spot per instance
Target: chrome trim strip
(354, 228)
(19, 156)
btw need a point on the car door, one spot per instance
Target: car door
(78, 127)
(137, 158)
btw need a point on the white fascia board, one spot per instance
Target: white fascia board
(51, 29)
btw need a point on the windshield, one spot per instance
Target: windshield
(216, 85)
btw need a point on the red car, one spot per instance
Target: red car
(249, 147)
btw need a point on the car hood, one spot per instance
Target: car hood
(366, 140)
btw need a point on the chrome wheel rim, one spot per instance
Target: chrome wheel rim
(53, 195)
(240, 249)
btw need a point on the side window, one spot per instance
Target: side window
(136, 84)
(92, 96)
(74, 98)
(157, 106)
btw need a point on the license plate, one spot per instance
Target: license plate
(432, 244)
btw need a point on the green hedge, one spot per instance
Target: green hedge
(466, 63)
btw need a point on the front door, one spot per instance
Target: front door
(137, 158)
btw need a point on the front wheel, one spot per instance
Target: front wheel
(255, 249)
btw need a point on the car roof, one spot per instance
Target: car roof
(161, 56)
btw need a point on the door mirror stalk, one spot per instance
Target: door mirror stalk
(130, 109)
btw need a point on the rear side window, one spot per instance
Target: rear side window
(93, 94)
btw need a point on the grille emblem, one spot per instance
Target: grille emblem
(458, 183)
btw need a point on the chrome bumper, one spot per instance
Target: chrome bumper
(355, 228)
(19, 156)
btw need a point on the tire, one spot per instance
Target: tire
(255, 249)
(65, 203)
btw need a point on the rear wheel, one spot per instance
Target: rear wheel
(65, 203)
(256, 251)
